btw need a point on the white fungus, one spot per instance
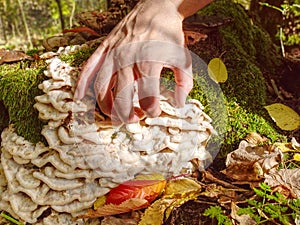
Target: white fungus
(85, 156)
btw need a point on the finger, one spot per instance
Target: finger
(148, 87)
(184, 84)
(88, 72)
(104, 93)
(122, 109)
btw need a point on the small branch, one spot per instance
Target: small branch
(281, 42)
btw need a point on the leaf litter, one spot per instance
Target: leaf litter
(151, 199)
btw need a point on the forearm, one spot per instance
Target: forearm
(189, 7)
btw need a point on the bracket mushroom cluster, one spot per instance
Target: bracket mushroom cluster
(86, 156)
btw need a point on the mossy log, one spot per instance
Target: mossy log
(246, 50)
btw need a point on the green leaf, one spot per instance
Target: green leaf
(217, 70)
(217, 212)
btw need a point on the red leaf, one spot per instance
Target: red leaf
(142, 189)
(82, 29)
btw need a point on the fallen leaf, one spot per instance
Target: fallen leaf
(286, 177)
(143, 189)
(112, 209)
(193, 37)
(284, 190)
(217, 70)
(243, 219)
(284, 117)
(7, 56)
(250, 162)
(152, 176)
(255, 138)
(176, 193)
(155, 214)
(297, 157)
(111, 220)
(181, 188)
(100, 202)
(285, 147)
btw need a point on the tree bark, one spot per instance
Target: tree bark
(3, 29)
(108, 4)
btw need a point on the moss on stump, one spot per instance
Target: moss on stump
(248, 54)
(18, 87)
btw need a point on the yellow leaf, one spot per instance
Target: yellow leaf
(181, 188)
(154, 215)
(152, 176)
(217, 70)
(284, 117)
(112, 209)
(284, 147)
(297, 157)
(100, 202)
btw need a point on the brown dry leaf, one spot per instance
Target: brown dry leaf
(7, 56)
(193, 37)
(284, 190)
(285, 177)
(250, 162)
(222, 194)
(244, 219)
(110, 220)
(112, 209)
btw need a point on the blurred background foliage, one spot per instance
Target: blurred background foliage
(25, 23)
(43, 18)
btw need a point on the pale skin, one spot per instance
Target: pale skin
(151, 21)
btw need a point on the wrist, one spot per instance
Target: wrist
(189, 7)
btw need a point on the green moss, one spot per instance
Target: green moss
(248, 54)
(78, 57)
(18, 87)
(242, 121)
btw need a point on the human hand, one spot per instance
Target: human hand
(149, 38)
